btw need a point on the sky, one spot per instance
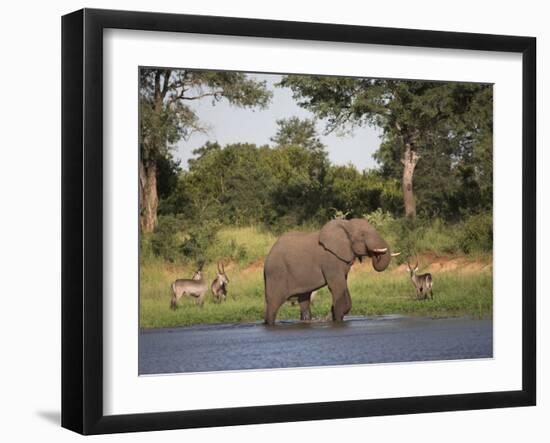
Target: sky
(230, 124)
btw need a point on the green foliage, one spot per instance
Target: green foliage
(476, 233)
(390, 292)
(448, 124)
(354, 193)
(165, 117)
(409, 233)
(293, 185)
(229, 185)
(167, 240)
(199, 237)
(380, 219)
(296, 132)
(296, 185)
(441, 237)
(234, 200)
(241, 184)
(168, 170)
(244, 246)
(178, 241)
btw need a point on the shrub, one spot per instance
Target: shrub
(226, 249)
(167, 240)
(178, 241)
(439, 237)
(476, 233)
(424, 234)
(198, 240)
(380, 219)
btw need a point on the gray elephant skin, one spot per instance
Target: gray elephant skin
(300, 263)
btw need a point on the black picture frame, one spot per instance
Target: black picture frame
(82, 218)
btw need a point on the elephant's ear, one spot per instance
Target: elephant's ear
(335, 238)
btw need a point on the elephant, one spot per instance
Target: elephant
(300, 263)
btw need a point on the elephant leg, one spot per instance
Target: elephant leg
(341, 300)
(276, 293)
(305, 312)
(274, 298)
(271, 309)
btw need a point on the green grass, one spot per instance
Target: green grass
(456, 293)
(245, 245)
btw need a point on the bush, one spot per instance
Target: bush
(240, 245)
(167, 240)
(226, 249)
(473, 235)
(198, 240)
(439, 237)
(176, 240)
(476, 233)
(380, 219)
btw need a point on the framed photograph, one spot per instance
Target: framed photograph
(269, 221)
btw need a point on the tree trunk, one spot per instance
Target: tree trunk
(409, 160)
(148, 197)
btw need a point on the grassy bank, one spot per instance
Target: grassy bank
(462, 286)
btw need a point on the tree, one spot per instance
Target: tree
(299, 163)
(414, 115)
(297, 184)
(241, 183)
(226, 185)
(355, 194)
(165, 118)
(296, 132)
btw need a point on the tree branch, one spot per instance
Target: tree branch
(181, 96)
(206, 94)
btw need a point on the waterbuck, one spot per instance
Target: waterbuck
(196, 287)
(219, 285)
(423, 282)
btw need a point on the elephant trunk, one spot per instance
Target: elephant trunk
(380, 255)
(381, 261)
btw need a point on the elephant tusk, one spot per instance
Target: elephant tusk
(380, 250)
(395, 254)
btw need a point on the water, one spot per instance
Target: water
(358, 340)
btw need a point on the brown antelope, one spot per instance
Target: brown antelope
(423, 282)
(196, 287)
(219, 285)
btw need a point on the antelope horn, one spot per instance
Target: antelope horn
(223, 268)
(380, 250)
(395, 254)
(219, 267)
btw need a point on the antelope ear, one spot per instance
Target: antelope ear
(416, 269)
(334, 238)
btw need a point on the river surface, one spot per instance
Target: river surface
(357, 340)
